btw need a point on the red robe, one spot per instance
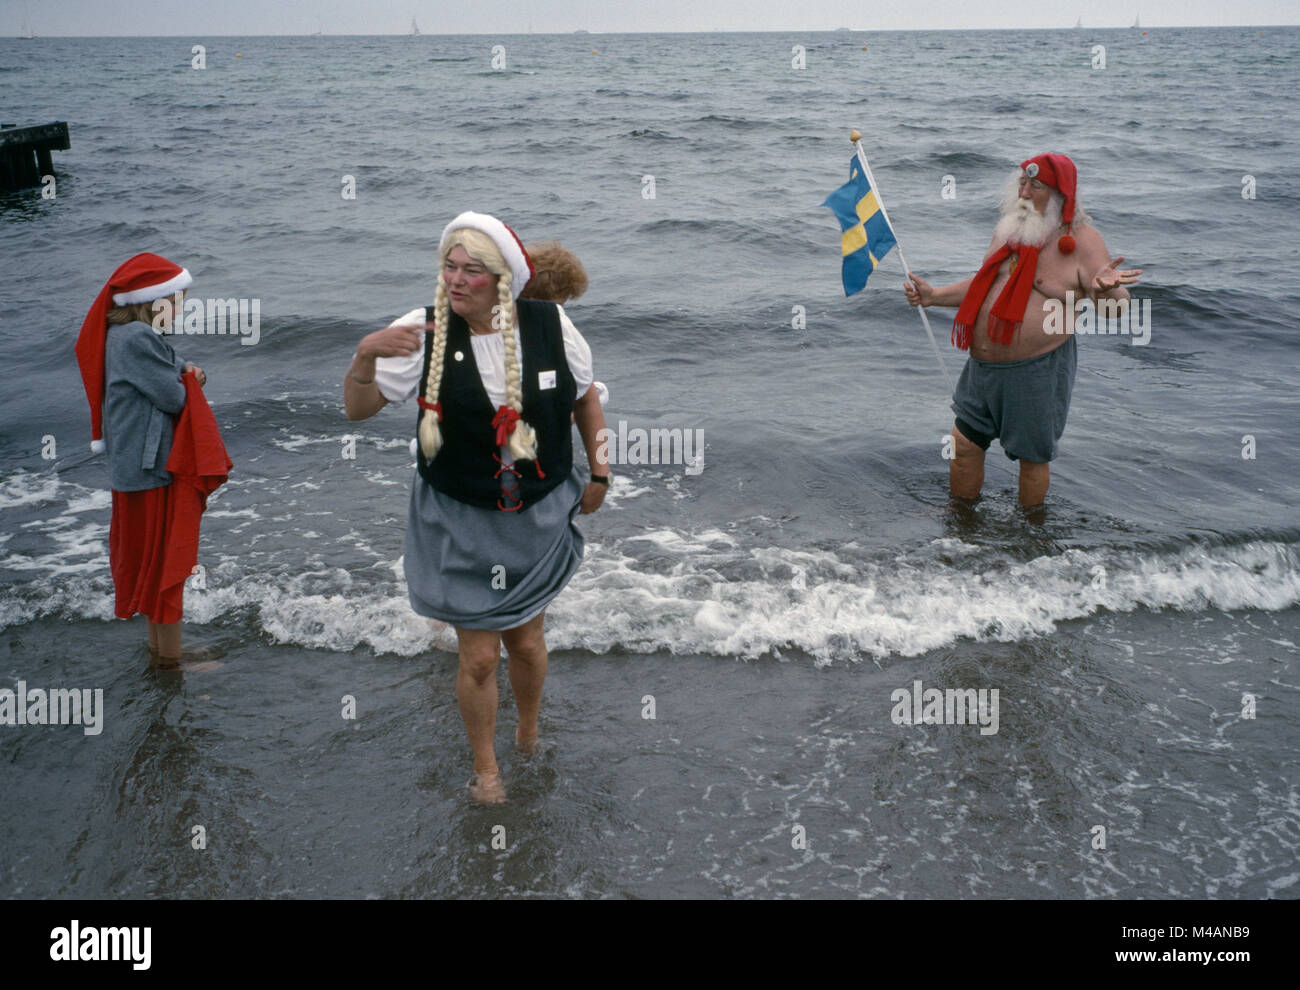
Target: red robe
(154, 536)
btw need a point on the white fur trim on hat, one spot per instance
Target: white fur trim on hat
(521, 269)
(151, 292)
(98, 446)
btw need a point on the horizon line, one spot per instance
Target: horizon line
(588, 33)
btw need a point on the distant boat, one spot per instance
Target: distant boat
(27, 27)
(1137, 21)
(582, 31)
(415, 28)
(1078, 24)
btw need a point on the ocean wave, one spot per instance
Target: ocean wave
(674, 591)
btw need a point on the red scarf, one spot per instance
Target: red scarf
(1009, 308)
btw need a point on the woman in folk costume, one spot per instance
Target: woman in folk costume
(490, 535)
(160, 468)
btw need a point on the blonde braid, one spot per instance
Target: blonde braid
(523, 441)
(429, 431)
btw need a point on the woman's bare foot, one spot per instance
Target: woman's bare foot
(486, 788)
(527, 745)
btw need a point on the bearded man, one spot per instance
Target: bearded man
(1016, 385)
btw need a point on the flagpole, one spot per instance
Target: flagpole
(856, 137)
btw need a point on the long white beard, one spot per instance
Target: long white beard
(1022, 224)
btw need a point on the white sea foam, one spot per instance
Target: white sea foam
(834, 609)
(781, 599)
(24, 488)
(669, 590)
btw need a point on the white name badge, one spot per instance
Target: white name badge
(546, 379)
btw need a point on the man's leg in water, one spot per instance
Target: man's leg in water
(1034, 479)
(966, 469)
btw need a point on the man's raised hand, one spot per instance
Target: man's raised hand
(1110, 277)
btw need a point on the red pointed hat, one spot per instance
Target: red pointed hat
(144, 278)
(1057, 171)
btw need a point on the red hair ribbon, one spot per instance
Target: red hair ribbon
(435, 406)
(505, 421)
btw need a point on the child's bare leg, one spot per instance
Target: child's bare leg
(168, 635)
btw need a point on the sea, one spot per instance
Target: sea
(738, 667)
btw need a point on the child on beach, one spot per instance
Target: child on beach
(144, 414)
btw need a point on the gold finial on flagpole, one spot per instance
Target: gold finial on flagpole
(855, 136)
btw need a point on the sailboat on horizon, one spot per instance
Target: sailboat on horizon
(27, 25)
(415, 28)
(1137, 21)
(1078, 24)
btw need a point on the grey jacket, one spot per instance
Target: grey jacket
(142, 392)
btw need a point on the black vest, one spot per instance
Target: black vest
(466, 465)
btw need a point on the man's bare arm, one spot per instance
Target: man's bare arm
(919, 292)
(922, 293)
(1098, 276)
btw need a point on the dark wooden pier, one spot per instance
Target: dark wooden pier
(25, 153)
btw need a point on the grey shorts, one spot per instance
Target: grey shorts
(1022, 403)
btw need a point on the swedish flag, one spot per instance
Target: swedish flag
(867, 236)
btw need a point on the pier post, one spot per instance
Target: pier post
(25, 153)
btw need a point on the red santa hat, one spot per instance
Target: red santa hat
(1057, 171)
(141, 279)
(506, 240)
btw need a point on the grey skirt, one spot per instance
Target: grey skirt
(486, 569)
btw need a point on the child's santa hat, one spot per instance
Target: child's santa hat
(141, 279)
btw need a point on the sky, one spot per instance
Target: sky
(49, 18)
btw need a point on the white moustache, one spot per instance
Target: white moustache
(1024, 225)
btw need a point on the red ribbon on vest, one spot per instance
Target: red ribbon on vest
(510, 491)
(505, 421)
(1009, 308)
(435, 406)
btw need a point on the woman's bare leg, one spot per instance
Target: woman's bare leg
(476, 690)
(526, 648)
